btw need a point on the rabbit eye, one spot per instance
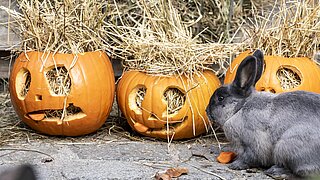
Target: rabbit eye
(220, 98)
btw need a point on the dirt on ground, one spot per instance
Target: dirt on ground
(113, 152)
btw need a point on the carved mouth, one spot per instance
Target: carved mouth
(170, 126)
(69, 113)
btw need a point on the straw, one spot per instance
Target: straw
(69, 26)
(161, 43)
(290, 29)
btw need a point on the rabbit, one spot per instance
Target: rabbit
(280, 132)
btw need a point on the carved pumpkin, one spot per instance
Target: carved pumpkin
(62, 94)
(166, 107)
(282, 74)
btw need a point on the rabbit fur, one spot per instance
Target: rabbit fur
(276, 131)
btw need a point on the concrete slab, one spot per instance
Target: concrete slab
(118, 159)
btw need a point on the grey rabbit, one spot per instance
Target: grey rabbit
(280, 132)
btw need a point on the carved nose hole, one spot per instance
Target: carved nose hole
(38, 97)
(153, 117)
(272, 91)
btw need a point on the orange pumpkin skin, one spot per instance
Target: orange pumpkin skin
(308, 71)
(152, 118)
(92, 90)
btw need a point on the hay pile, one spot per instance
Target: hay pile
(217, 20)
(68, 26)
(160, 42)
(289, 29)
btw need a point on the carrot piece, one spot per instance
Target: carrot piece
(226, 157)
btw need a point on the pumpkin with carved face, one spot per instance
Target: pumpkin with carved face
(166, 106)
(62, 94)
(282, 74)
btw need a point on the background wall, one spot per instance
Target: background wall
(7, 38)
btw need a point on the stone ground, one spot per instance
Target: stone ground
(118, 159)
(114, 152)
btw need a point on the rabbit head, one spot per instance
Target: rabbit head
(228, 99)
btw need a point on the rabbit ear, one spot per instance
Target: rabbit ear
(245, 77)
(260, 64)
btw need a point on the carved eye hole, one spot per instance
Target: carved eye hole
(141, 92)
(59, 81)
(175, 99)
(23, 81)
(289, 77)
(136, 97)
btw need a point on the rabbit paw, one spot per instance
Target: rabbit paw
(238, 165)
(277, 172)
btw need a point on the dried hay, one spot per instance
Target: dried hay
(161, 43)
(59, 80)
(69, 26)
(288, 78)
(217, 20)
(290, 29)
(175, 99)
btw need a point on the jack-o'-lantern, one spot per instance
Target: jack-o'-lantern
(166, 106)
(62, 94)
(282, 74)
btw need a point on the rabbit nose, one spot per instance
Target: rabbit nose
(267, 89)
